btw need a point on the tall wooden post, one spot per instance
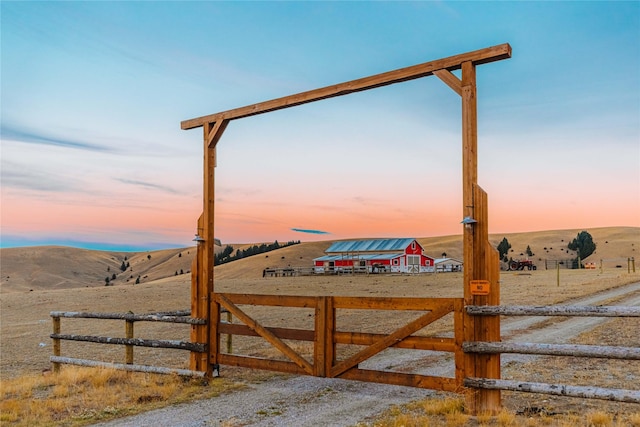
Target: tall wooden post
(481, 261)
(202, 281)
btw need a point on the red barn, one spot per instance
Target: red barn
(377, 255)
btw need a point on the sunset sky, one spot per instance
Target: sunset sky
(93, 93)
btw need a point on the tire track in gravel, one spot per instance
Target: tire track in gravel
(309, 401)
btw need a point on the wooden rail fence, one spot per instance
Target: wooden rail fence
(128, 341)
(325, 337)
(587, 351)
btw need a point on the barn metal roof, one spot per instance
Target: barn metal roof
(366, 257)
(369, 245)
(451, 260)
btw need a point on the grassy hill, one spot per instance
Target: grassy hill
(53, 267)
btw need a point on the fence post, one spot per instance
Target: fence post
(128, 352)
(481, 263)
(56, 343)
(229, 336)
(558, 273)
(633, 264)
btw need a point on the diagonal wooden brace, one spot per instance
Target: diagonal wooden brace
(264, 333)
(391, 339)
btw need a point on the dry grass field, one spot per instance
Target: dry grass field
(36, 281)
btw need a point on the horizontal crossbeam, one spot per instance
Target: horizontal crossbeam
(482, 56)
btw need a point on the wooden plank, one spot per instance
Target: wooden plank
(211, 134)
(458, 336)
(411, 342)
(556, 310)
(403, 379)
(126, 367)
(481, 56)
(128, 349)
(450, 80)
(329, 342)
(139, 342)
(282, 333)
(616, 395)
(197, 361)
(266, 334)
(320, 338)
(216, 133)
(486, 328)
(391, 339)
(128, 316)
(56, 343)
(575, 350)
(391, 303)
(272, 300)
(261, 363)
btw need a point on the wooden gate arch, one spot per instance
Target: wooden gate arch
(480, 281)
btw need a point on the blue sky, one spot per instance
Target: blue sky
(93, 94)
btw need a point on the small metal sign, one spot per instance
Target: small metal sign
(480, 287)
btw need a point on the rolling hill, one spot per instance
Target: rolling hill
(55, 267)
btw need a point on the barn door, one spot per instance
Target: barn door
(413, 263)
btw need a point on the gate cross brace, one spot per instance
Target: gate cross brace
(391, 339)
(265, 333)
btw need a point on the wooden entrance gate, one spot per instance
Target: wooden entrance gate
(481, 264)
(323, 360)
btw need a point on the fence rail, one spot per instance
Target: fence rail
(616, 395)
(129, 341)
(126, 367)
(558, 310)
(574, 350)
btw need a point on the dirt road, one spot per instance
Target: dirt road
(310, 401)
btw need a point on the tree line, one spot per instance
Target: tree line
(228, 255)
(583, 245)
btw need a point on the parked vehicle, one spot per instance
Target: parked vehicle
(521, 265)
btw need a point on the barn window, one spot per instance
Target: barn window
(395, 261)
(413, 245)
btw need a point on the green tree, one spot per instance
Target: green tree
(503, 248)
(583, 244)
(528, 251)
(123, 266)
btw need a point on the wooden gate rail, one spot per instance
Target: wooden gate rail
(129, 341)
(325, 337)
(572, 350)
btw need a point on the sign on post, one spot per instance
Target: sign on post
(480, 287)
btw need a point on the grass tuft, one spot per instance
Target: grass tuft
(80, 396)
(599, 419)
